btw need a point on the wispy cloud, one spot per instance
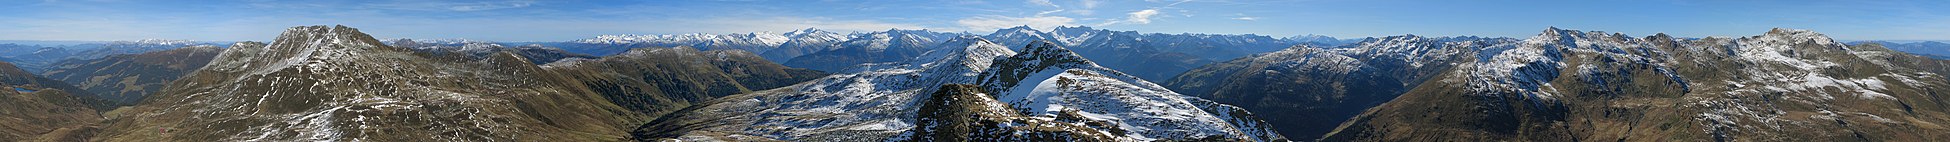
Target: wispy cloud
(1146, 16)
(1043, 3)
(992, 22)
(1142, 16)
(1244, 17)
(1089, 4)
(1135, 17)
(459, 6)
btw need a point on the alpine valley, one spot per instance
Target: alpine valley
(1063, 83)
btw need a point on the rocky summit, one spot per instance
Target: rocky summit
(334, 83)
(974, 70)
(1783, 85)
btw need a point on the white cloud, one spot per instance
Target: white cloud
(1143, 16)
(1089, 4)
(1048, 12)
(1043, 3)
(1248, 18)
(992, 22)
(1135, 17)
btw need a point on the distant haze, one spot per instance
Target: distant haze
(540, 20)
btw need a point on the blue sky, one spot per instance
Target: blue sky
(561, 20)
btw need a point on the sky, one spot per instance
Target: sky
(563, 20)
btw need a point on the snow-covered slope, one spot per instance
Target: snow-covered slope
(755, 42)
(881, 103)
(1151, 56)
(1049, 81)
(334, 83)
(1308, 90)
(871, 48)
(867, 105)
(1784, 85)
(806, 41)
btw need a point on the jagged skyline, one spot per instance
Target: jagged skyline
(529, 20)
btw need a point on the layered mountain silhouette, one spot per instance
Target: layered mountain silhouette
(1308, 90)
(885, 103)
(43, 58)
(335, 83)
(658, 81)
(1785, 85)
(328, 83)
(33, 108)
(127, 78)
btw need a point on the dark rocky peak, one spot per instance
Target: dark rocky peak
(1796, 37)
(298, 45)
(966, 40)
(1044, 50)
(654, 52)
(1018, 30)
(1035, 57)
(1554, 34)
(325, 37)
(970, 51)
(1659, 36)
(961, 112)
(1076, 28)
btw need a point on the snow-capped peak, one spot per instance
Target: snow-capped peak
(156, 42)
(1799, 36)
(694, 39)
(1048, 81)
(295, 47)
(1019, 29)
(972, 52)
(808, 32)
(1049, 51)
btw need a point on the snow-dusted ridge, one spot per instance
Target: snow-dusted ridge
(1784, 85)
(334, 83)
(880, 103)
(1049, 81)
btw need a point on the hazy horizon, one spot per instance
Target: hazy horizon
(529, 20)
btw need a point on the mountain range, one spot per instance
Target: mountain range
(37, 58)
(33, 108)
(1148, 55)
(884, 104)
(1932, 49)
(336, 83)
(126, 78)
(1784, 85)
(1308, 90)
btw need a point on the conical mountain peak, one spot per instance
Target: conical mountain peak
(1046, 50)
(972, 52)
(1797, 36)
(298, 45)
